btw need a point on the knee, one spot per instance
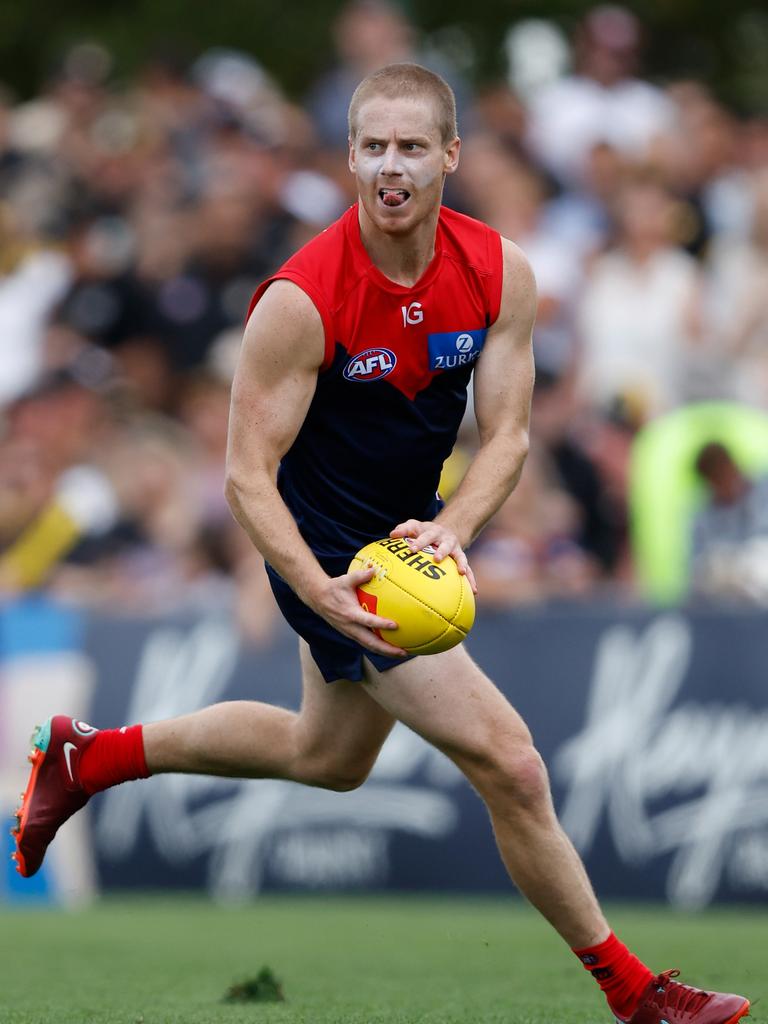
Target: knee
(341, 780)
(511, 776)
(341, 776)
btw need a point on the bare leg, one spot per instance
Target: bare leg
(452, 704)
(333, 741)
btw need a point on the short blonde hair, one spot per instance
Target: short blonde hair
(410, 81)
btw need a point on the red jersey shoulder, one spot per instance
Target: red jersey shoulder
(470, 241)
(328, 261)
(324, 269)
(476, 246)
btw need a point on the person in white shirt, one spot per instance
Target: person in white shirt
(602, 102)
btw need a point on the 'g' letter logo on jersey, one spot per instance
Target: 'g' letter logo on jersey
(373, 364)
(412, 314)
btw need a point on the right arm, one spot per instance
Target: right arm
(273, 387)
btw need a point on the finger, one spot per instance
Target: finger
(424, 538)
(447, 546)
(465, 569)
(371, 621)
(471, 578)
(358, 576)
(444, 546)
(407, 529)
(462, 564)
(374, 643)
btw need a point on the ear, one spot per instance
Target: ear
(452, 156)
(351, 161)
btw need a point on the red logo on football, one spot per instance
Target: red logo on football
(369, 603)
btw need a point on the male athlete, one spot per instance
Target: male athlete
(346, 401)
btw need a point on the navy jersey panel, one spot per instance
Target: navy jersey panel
(337, 656)
(349, 479)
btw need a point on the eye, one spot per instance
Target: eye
(372, 146)
(412, 146)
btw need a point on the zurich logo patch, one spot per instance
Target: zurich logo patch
(455, 348)
(373, 364)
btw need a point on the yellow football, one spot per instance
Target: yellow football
(431, 602)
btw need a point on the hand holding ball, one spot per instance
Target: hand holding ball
(431, 602)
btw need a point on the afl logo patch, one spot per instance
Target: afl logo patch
(373, 364)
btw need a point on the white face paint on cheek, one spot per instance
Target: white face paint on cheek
(424, 174)
(368, 167)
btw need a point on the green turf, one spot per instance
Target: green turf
(357, 961)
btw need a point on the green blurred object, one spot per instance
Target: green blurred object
(664, 491)
(264, 988)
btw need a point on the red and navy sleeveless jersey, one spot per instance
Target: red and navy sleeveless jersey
(392, 389)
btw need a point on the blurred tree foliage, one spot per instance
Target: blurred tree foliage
(725, 45)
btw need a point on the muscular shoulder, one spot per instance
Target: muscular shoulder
(286, 325)
(518, 297)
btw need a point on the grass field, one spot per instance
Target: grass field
(356, 961)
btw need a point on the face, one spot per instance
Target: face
(646, 215)
(400, 161)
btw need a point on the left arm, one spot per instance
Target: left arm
(503, 384)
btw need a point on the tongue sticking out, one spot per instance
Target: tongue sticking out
(394, 198)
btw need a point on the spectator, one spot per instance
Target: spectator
(33, 278)
(529, 552)
(567, 438)
(509, 194)
(739, 306)
(367, 34)
(602, 102)
(729, 556)
(53, 493)
(639, 316)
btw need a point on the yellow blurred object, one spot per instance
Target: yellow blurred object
(29, 560)
(84, 504)
(454, 468)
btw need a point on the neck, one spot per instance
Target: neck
(401, 258)
(641, 251)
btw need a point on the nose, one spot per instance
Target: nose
(391, 163)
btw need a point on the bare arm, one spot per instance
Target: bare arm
(503, 384)
(271, 393)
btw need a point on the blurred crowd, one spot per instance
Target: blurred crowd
(137, 219)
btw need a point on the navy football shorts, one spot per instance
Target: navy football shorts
(337, 656)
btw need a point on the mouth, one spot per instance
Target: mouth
(394, 197)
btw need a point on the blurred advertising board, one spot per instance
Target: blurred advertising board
(43, 666)
(654, 727)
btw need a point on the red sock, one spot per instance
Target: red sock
(113, 756)
(619, 974)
